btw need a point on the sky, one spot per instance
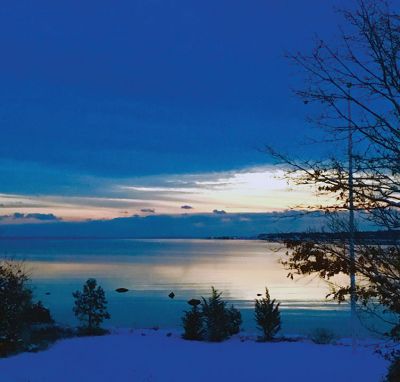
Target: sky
(111, 109)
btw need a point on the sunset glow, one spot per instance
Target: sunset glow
(261, 189)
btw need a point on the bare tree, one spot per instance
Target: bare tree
(356, 83)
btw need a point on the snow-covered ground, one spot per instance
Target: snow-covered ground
(150, 356)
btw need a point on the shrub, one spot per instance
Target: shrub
(193, 323)
(38, 314)
(20, 317)
(220, 322)
(234, 320)
(16, 301)
(91, 307)
(9, 347)
(42, 336)
(394, 371)
(267, 316)
(322, 336)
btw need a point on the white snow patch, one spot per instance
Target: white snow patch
(152, 356)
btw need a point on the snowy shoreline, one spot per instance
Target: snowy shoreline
(162, 355)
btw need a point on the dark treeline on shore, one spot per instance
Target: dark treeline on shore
(362, 237)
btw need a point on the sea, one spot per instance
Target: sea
(153, 268)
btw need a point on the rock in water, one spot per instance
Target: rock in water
(171, 295)
(194, 302)
(121, 290)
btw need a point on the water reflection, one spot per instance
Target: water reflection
(151, 269)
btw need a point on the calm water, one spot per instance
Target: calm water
(151, 269)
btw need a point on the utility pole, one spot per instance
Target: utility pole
(353, 297)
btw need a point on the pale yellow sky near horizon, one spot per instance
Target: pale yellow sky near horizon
(259, 189)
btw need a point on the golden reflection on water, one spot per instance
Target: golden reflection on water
(241, 269)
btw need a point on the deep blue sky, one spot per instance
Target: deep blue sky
(120, 89)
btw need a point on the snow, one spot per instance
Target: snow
(150, 356)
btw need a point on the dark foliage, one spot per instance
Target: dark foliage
(23, 323)
(234, 320)
(50, 333)
(210, 319)
(10, 347)
(220, 322)
(41, 337)
(86, 331)
(394, 371)
(193, 324)
(322, 336)
(267, 316)
(91, 307)
(377, 269)
(38, 314)
(16, 301)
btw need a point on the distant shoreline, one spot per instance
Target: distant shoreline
(364, 237)
(120, 238)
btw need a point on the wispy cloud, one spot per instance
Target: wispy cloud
(159, 189)
(256, 189)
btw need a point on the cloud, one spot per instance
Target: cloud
(148, 210)
(252, 189)
(219, 212)
(28, 218)
(44, 217)
(187, 207)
